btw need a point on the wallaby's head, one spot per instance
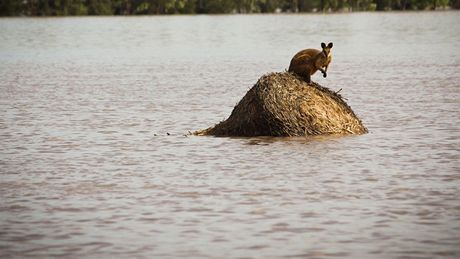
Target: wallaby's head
(326, 49)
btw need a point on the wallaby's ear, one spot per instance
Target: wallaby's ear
(323, 45)
(330, 45)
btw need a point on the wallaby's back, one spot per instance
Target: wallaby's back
(303, 62)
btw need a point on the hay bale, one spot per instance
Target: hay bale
(282, 104)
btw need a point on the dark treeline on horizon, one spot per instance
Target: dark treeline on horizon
(144, 7)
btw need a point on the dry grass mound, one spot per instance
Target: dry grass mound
(282, 104)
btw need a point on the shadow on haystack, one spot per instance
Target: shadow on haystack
(282, 104)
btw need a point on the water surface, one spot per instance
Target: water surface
(87, 168)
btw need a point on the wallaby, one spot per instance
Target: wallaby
(306, 62)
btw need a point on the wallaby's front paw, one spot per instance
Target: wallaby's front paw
(324, 74)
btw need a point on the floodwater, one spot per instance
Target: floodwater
(95, 160)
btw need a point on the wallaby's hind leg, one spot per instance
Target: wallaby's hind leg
(307, 77)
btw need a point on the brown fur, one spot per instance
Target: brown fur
(306, 62)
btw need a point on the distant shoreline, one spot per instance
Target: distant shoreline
(231, 14)
(54, 8)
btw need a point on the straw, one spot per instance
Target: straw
(282, 104)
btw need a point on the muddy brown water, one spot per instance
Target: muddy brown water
(87, 168)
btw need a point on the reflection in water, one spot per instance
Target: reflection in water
(88, 168)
